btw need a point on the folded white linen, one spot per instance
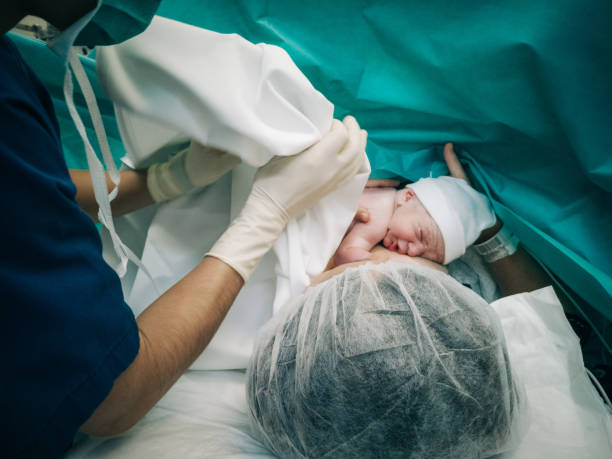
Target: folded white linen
(218, 89)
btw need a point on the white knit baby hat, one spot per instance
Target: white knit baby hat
(460, 212)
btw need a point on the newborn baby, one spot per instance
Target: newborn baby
(433, 218)
(399, 219)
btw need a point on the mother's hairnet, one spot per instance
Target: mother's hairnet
(387, 360)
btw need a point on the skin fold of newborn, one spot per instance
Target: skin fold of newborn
(399, 220)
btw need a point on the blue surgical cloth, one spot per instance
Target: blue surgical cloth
(67, 332)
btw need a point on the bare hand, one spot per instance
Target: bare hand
(454, 166)
(361, 216)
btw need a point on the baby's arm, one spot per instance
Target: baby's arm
(354, 247)
(360, 239)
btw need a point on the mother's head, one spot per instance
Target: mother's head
(384, 360)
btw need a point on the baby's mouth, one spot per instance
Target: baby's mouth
(399, 246)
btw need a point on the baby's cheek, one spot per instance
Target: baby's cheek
(399, 230)
(394, 225)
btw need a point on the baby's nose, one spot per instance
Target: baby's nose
(402, 246)
(415, 249)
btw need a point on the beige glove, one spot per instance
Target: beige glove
(285, 188)
(192, 168)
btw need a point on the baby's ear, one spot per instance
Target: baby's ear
(410, 194)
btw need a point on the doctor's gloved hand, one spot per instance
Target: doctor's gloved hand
(296, 183)
(285, 188)
(194, 167)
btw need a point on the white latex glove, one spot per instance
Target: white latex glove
(192, 168)
(285, 188)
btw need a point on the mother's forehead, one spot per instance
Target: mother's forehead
(390, 286)
(398, 271)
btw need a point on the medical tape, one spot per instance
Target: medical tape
(96, 169)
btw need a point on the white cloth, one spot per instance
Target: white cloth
(205, 413)
(203, 416)
(218, 89)
(568, 418)
(175, 82)
(459, 210)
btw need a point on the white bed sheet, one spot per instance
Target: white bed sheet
(568, 418)
(205, 413)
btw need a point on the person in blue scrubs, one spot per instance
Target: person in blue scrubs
(75, 356)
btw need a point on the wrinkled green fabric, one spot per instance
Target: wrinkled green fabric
(523, 88)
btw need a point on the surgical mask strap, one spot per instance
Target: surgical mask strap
(96, 168)
(96, 118)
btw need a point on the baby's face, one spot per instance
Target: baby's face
(412, 231)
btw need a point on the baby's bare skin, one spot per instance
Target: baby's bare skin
(399, 220)
(356, 245)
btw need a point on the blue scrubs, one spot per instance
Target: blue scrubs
(67, 332)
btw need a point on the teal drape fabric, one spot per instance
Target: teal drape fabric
(523, 89)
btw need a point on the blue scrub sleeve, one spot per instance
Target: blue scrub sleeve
(68, 333)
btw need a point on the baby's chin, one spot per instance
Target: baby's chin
(379, 255)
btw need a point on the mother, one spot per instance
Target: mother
(388, 359)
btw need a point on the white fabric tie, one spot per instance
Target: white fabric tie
(96, 168)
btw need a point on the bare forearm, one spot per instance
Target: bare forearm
(133, 192)
(519, 272)
(174, 330)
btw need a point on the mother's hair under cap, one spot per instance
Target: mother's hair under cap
(386, 360)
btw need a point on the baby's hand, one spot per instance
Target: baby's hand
(361, 216)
